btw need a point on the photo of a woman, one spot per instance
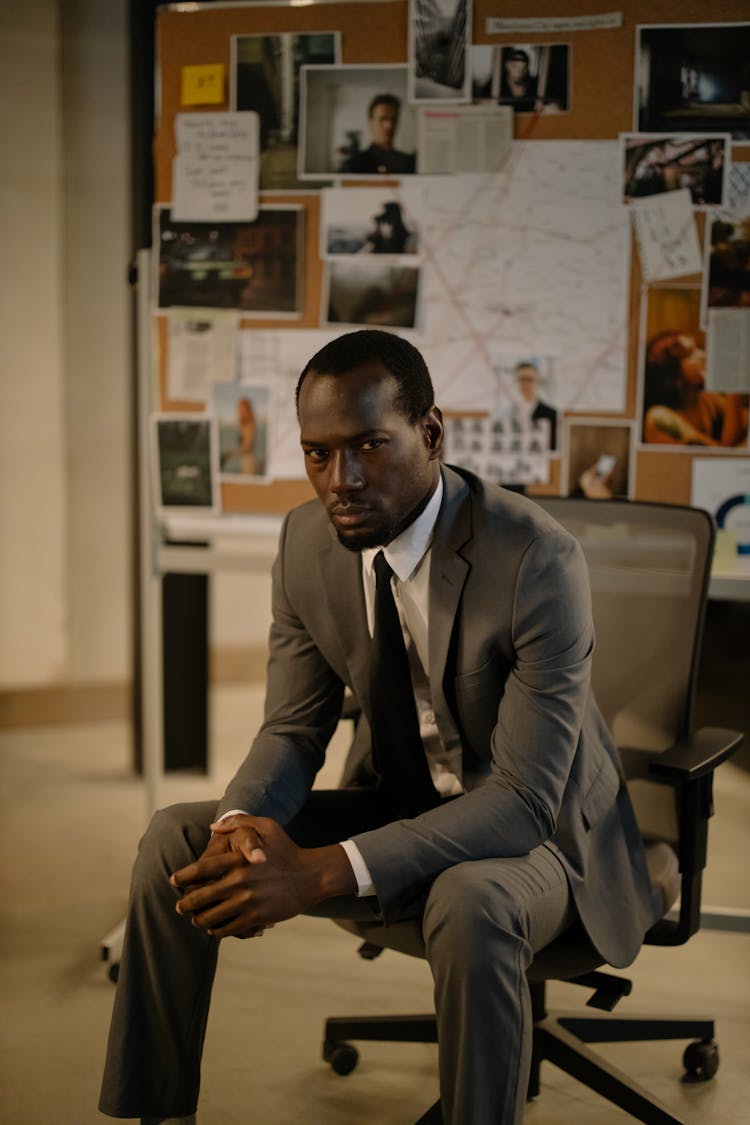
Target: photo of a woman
(677, 410)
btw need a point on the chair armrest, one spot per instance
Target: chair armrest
(688, 767)
(696, 755)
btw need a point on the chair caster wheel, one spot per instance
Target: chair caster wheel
(701, 1060)
(342, 1057)
(113, 971)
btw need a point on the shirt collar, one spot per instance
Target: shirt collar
(404, 553)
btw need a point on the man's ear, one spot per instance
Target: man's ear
(433, 430)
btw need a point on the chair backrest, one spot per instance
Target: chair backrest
(649, 566)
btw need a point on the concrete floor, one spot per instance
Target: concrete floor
(71, 816)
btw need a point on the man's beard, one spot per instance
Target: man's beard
(365, 538)
(362, 541)
(382, 535)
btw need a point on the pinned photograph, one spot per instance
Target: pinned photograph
(693, 78)
(242, 415)
(265, 78)
(497, 451)
(371, 293)
(362, 124)
(655, 164)
(728, 262)
(184, 462)
(438, 32)
(677, 410)
(525, 395)
(599, 456)
(254, 267)
(529, 77)
(367, 221)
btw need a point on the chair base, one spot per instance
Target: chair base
(560, 1039)
(343, 1057)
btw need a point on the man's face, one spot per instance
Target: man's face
(383, 125)
(518, 70)
(372, 469)
(526, 381)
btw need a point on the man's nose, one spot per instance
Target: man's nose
(346, 473)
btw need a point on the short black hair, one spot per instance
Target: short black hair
(415, 394)
(384, 99)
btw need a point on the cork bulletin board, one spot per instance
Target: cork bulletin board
(601, 104)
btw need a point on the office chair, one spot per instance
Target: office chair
(649, 566)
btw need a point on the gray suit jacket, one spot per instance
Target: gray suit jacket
(510, 642)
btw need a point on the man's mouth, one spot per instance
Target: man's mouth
(349, 515)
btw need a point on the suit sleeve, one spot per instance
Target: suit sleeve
(532, 744)
(303, 705)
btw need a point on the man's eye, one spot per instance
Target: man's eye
(372, 443)
(316, 455)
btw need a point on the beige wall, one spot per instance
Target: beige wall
(96, 336)
(34, 634)
(64, 344)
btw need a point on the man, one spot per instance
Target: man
(530, 408)
(382, 157)
(499, 824)
(518, 86)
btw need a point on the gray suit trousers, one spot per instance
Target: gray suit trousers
(481, 924)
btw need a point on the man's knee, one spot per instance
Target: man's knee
(175, 837)
(467, 907)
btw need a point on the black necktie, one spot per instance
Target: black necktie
(398, 752)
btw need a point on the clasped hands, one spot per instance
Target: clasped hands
(252, 875)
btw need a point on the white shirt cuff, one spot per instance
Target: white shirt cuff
(365, 885)
(232, 812)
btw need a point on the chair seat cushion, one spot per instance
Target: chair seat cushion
(664, 873)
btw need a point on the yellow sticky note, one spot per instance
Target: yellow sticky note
(203, 85)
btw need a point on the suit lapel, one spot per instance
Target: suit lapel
(448, 573)
(341, 575)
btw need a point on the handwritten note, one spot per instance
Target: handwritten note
(667, 238)
(215, 172)
(202, 85)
